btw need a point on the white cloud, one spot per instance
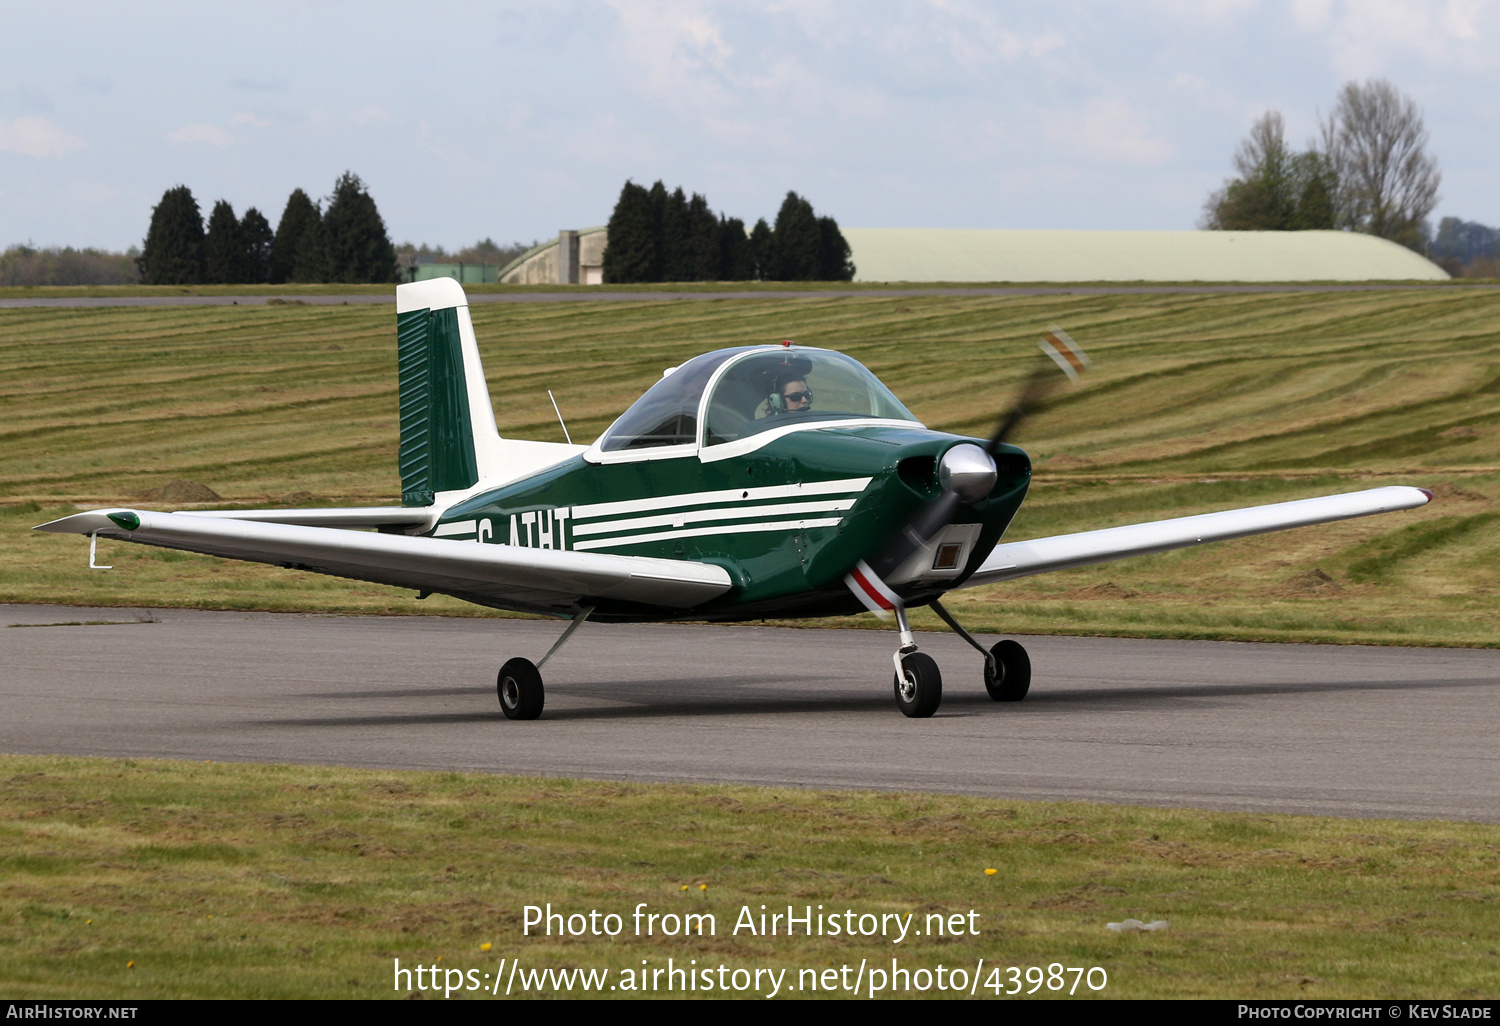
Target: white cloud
(1209, 11)
(202, 133)
(36, 137)
(1107, 129)
(1312, 15)
(1366, 35)
(671, 41)
(976, 36)
(246, 118)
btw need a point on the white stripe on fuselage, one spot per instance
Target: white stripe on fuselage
(705, 515)
(700, 532)
(609, 509)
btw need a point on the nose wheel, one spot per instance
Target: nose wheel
(919, 682)
(919, 685)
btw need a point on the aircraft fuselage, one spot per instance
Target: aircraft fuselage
(786, 520)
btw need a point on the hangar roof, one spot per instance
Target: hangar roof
(979, 254)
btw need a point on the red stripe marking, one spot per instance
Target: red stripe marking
(1066, 351)
(869, 589)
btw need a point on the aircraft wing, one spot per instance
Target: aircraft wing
(1065, 551)
(511, 577)
(391, 517)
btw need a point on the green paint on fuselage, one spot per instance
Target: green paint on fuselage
(778, 572)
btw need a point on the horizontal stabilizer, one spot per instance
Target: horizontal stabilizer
(506, 576)
(1065, 551)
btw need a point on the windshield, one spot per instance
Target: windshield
(778, 388)
(668, 413)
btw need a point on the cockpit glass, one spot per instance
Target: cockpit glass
(668, 413)
(795, 386)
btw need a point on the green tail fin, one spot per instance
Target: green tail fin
(437, 431)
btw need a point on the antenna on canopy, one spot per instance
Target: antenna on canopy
(559, 417)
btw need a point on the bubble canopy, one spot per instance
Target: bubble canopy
(746, 389)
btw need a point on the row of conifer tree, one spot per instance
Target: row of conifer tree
(346, 241)
(655, 235)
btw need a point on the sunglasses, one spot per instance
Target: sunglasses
(798, 397)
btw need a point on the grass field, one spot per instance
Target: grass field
(141, 879)
(1196, 403)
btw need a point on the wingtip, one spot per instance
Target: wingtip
(93, 520)
(1427, 493)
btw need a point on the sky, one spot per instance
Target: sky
(512, 120)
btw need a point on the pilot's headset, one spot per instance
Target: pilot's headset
(795, 369)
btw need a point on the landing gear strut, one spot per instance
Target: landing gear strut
(919, 683)
(519, 683)
(1007, 667)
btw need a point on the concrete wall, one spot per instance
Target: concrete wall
(539, 265)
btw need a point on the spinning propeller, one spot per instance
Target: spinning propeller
(966, 474)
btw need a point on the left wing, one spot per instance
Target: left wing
(507, 576)
(1065, 551)
(398, 518)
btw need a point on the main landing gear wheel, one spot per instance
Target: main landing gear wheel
(1012, 677)
(919, 689)
(520, 687)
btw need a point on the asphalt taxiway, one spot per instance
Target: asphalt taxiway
(1348, 731)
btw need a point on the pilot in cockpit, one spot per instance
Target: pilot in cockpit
(790, 394)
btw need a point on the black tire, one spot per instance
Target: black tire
(519, 686)
(922, 690)
(1012, 678)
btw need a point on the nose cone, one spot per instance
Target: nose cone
(968, 471)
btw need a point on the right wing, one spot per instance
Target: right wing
(1065, 551)
(506, 576)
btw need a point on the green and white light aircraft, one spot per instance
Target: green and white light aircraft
(760, 481)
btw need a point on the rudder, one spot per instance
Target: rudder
(448, 435)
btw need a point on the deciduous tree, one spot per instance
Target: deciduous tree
(1277, 189)
(1376, 143)
(1467, 248)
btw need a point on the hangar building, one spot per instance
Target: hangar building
(979, 254)
(573, 258)
(1005, 255)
